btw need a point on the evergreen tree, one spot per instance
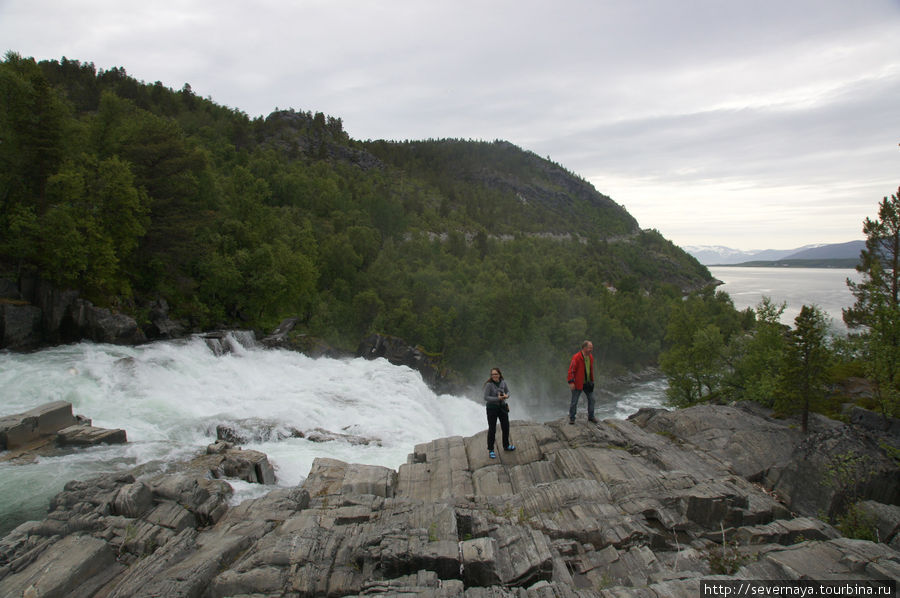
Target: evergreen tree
(808, 357)
(131, 192)
(877, 310)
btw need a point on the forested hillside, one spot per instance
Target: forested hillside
(484, 252)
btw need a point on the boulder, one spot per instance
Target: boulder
(222, 342)
(833, 468)
(255, 430)
(286, 337)
(133, 500)
(101, 325)
(85, 435)
(745, 440)
(45, 420)
(320, 435)
(886, 519)
(46, 428)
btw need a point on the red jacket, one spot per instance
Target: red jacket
(576, 370)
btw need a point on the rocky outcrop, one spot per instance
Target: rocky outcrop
(305, 134)
(159, 325)
(399, 352)
(820, 473)
(886, 519)
(616, 509)
(286, 337)
(35, 314)
(20, 325)
(883, 427)
(84, 321)
(102, 533)
(46, 427)
(256, 430)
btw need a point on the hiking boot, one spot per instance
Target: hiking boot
(511, 447)
(493, 455)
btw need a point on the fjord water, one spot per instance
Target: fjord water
(170, 396)
(823, 287)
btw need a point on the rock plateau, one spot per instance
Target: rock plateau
(648, 507)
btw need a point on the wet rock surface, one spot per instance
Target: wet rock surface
(615, 509)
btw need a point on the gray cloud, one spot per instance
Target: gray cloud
(767, 123)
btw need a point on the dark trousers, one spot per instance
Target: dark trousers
(493, 414)
(573, 404)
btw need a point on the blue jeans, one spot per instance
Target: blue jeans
(573, 405)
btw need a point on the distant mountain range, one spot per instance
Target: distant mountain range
(715, 255)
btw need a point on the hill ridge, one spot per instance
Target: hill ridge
(226, 221)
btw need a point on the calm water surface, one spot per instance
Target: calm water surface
(823, 287)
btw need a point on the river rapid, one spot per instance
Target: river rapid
(170, 396)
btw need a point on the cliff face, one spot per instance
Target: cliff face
(613, 509)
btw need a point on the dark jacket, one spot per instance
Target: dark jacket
(493, 391)
(576, 370)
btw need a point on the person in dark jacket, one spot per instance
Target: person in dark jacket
(581, 379)
(496, 392)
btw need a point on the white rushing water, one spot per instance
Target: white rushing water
(170, 396)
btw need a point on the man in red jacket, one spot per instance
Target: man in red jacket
(581, 379)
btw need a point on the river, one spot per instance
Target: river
(170, 396)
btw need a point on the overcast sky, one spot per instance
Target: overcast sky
(761, 124)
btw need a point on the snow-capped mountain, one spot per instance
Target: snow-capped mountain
(718, 255)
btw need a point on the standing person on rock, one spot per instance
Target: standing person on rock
(581, 379)
(496, 392)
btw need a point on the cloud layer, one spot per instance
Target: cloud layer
(753, 125)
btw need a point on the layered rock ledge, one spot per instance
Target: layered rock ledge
(23, 436)
(649, 507)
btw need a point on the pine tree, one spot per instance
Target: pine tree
(808, 357)
(877, 309)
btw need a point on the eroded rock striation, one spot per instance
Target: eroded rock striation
(648, 507)
(24, 436)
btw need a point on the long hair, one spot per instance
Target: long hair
(491, 379)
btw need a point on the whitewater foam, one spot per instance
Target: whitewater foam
(171, 396)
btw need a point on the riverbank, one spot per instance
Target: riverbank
(656, 503)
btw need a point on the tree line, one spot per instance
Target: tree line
(716, 354)
(479, 251)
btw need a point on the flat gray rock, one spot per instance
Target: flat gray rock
(645, 508)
